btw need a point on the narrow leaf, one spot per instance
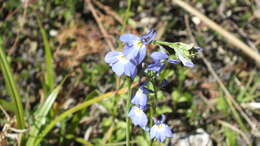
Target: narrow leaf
(12, 87)
(50, 73)
(40, 116)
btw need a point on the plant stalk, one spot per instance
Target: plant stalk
(128, 128)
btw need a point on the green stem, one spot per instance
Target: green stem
(153, 103)
(126, 14)
(126, 113)
(155, 95)
(156, 42)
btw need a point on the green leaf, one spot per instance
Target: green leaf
(12, 87)
(163, 110)
(181, 49)
(222, 104)
(140, 140)
(41, 115)
(7, 105)
(230, 137)
(50, 73)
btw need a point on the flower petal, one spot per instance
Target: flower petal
(129, 38)
(174, 61)
(130, 70)
(110, 57)
(186, 61)
(153, 132)
(167, 130)
(157, 56)
(141, 55)
(138, 117)
(147, 38)
(131, 52)
(118, 68)
(140, 98)
(158, 67)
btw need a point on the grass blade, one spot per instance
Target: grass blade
(12, 88)
(49, 77)
(77, 108)
(41, 114)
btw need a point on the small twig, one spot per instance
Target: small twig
(109, 11)
(236, 130)
(207, 101)
(100, 25)
(212, 71)
(229, 36)
(229, 96)
(25, 5)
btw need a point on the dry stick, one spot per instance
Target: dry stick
(236, 130)
(102, 29)
(230, 97)
(109, 11)
(229, 36)
(252, 125)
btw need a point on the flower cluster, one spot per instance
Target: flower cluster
(128, 63)
(137, 114)
(160, 130)
(134, 53)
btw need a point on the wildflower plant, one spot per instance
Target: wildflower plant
(131, 62)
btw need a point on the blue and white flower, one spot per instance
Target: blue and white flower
(120, 64)
(160, 58)
(135, 48)
(160, 131)
(138, 117)
(140, 97)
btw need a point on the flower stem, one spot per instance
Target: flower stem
(128, 128)
(126, 15)
(153, 104)
(155, 95)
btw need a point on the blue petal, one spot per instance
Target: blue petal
(149, 34)
(174, 61)
(118, 68)
(140, 98)
(131, 52)
(161, 137)
(186, 61)
(158, 67)
(162, 119)
(129, 38)
(110, 57)
(130, 70)
(198, 48)
(153, 132)
(141, 55)
(147, 38)
(138, 117)
(157, 56)
(167, 130)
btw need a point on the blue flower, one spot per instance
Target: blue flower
(135, 46)
(120, 64)
(160, 58)
(138, 116)
(140, 97)
(160, 131)
(185, 61)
